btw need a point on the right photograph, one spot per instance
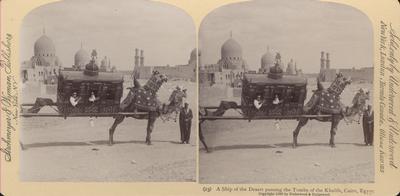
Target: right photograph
(286, 94)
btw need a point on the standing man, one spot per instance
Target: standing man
(368, 126)
(185, 123)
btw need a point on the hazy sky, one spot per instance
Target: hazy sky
(115, 28)
(298, 29)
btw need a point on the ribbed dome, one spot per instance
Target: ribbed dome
(267, 59)
(44, 47)
(231, 49)
(81, 57)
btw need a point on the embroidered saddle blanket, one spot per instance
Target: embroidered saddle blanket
(325, 102)
(140, 99)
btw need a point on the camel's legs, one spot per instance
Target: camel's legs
(334, 125)
(302, 122)
(202, 138)
(117, 121)
(150, 126)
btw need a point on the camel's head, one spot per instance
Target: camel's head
(361, 98)
(359, 106)
(339, 84)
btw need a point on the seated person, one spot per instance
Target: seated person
(74, 99)
(258, 102)
(276, 100)
(93, 97)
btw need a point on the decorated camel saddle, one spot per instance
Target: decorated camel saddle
(144, 98)
(328, 100)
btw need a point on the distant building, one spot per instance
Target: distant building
(267, 61)
(229, 70)
(44, 64)
(105, 65)
(186, 71)
(362, 74)
(299, 72)
(327, 74)
(81, 58)
(290, 68)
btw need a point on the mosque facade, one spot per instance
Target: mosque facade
(81, 59)
(229, 70)
(328, 74)
(44, 65)
(269, 60)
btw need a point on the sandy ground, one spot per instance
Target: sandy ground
(72, 150)
(257, 152)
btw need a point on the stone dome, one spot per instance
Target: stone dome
(81, 57)
(44, 46)
(194, 56)
(231, 49)
(268, 58)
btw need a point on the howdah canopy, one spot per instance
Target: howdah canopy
(106, 87)
(279, 96)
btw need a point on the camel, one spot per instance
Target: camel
(322, 102)
(144, 100)
(328, 102)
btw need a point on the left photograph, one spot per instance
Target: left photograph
(108, 92)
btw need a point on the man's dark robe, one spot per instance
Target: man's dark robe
(185, 124)
(368, 127)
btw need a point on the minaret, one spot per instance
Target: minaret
(322, 70)
(141, 58)
(136, 58)
(136, 69)
(328, 62)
